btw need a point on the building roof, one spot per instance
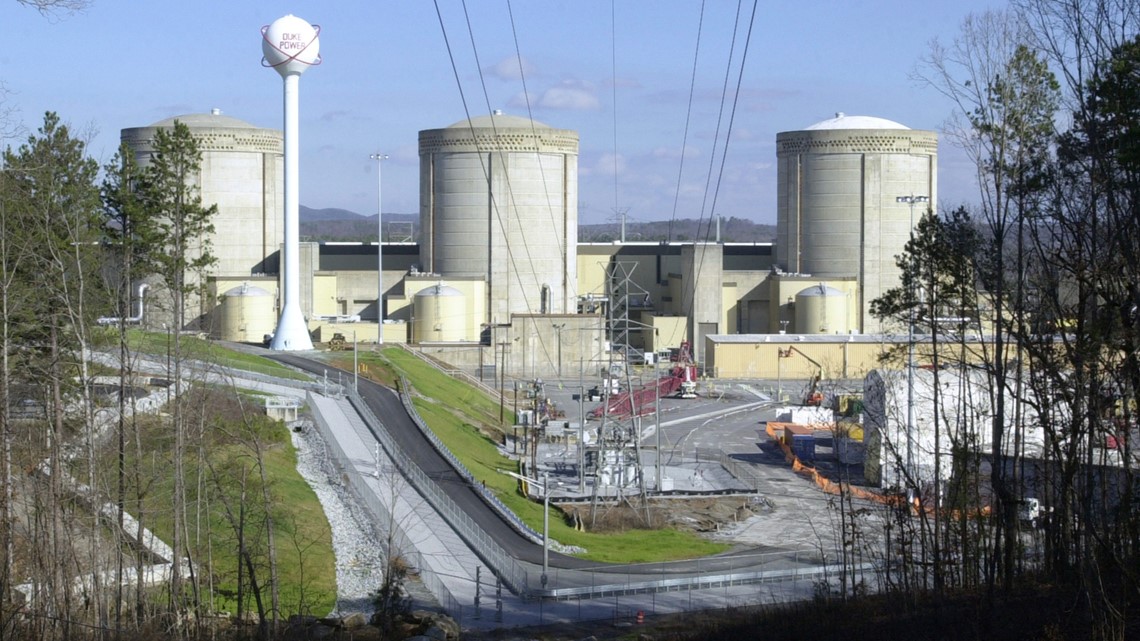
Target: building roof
(438, 290)
(821, 290)
(499, 120)
(213, 119)
(245, 289)
(843, 121)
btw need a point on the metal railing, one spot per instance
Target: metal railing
(462, 470)
(399, 538)
(569, 584)
(738, 469)
(485, 547)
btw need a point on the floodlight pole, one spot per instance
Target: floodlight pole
(545, 484)
(657, 409)
(379, 158)
(910, 200)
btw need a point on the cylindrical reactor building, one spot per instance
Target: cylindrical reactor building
(242, 172)
(499, 200)
(838, 213)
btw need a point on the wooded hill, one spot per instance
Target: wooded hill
(345, 226)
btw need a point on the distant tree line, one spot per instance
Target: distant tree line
(344, 226)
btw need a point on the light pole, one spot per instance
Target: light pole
(379, 158)
(545, 485)
(657, 409)
(355, 365)
(910, 200)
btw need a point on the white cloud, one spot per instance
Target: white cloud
(570, 95)
(607, 167)
(523, 100)
(509, 69)
(674, 153)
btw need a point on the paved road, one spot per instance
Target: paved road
(385, 404)
(566, 571)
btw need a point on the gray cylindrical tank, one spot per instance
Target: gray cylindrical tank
(821, 310)
(838, 216)
(440, 313)
(246, 314)
(242, 173)
(499, 200)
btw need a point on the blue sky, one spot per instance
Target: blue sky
(386, 75)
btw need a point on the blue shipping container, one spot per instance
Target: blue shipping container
(803, 446)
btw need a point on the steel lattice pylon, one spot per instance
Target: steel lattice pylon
(619, 441)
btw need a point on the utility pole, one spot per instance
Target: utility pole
(910, 200)
(379, 158)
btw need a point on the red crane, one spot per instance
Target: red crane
(681, 379)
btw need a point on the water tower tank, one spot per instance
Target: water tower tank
(499, 201)
(821, 310)
(440, 315)
(837, 209)
(246, 314)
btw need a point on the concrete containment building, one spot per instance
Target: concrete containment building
(242, 173)
(499, 200)
(837, 211)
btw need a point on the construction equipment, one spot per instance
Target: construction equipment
(812, 396)
(686, 371)
(337, 343)
(681, 381)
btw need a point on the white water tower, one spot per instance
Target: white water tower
(290, 46)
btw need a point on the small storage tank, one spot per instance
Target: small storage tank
(246, 314)
(821, 310)
(440, 315)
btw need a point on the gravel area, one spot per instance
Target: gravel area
(359, 559)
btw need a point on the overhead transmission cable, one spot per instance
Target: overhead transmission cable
(727, 139)
(688, 117)
(495, 205)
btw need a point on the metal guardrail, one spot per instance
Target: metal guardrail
(577, 584)
(462, 470)
(400, 539)
(737, 469)
(502, 564)
(466, 376)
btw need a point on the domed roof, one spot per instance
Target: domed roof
(245, 289)
(499, 120)
(438, 290)
(820, 290)
(212, 119)
(843, 121)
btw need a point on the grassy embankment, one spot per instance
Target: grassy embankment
(160, 344)
(231, 433)
(462, 416)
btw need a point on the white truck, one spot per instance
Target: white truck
(1029, 511)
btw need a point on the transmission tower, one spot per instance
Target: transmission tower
(619, 439)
